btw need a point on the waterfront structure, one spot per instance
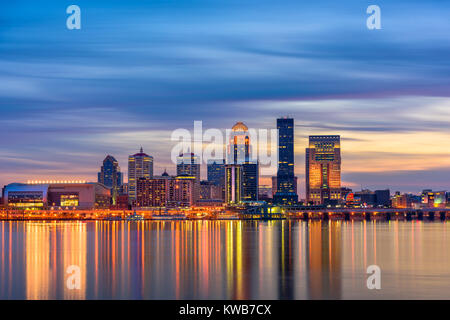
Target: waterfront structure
(286, 184)
(250, 181)
(233, 183)
(239, 149)
(151, 192)
(111, 177)
(383, 198)
(323, 170)
(140, 165)
(55, 194)
(181, 191)
(433, 199)
(165, 191)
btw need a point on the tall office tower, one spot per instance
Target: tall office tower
(239, 150)
(233, 183)
(216, 171)
(323, 169)
(250, 181)
(286, 189)
(188, 164)
(111, 177)
(216, 174)
(140, 165)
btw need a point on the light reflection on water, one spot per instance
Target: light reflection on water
(224, 259)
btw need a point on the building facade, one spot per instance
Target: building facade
(111, 177)
(140, 165)
(233, 184)
(216, 174)
(286, 183)
(323, 169)
(75, 195)
(239, 149)
(250, 181)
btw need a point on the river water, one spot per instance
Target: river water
(223, 259)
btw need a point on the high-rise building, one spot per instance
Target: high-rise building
(239, 149)
(140, 165)
(250, 181)
(216, 171)
(216, 174)
(275, 185)
(323, 169)
(286, 188)
(111, 177)
(188, 164)
(233, 183)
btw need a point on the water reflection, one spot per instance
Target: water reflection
(223, 259)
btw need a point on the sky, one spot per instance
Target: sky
(137, 70)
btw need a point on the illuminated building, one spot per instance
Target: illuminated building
(241, 182)
(181, 191)
(165, 191)
(286, 188)
(64, 195)
(111, 177)
(250, 181)
(275, 185)
(433, 199)
(140, 165)
(323, 169)
(151, 192)
(233, 183)
(188, 164)
(239, 150)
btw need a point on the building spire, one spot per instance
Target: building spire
(142, 150)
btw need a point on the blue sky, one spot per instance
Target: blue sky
(139, 69)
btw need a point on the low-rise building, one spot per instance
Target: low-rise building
(54, 194)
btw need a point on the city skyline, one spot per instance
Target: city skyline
(174, 168)
(87, 93)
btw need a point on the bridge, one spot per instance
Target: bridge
(266, 212)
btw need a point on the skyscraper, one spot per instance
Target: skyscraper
(241, 171)
(250, 181)
(216, 174)
(188, 165)
(233, 183)
(140, 165)
(323, 169)
(286, 183)
(111, 177)
(216, 171)
(239, 150)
